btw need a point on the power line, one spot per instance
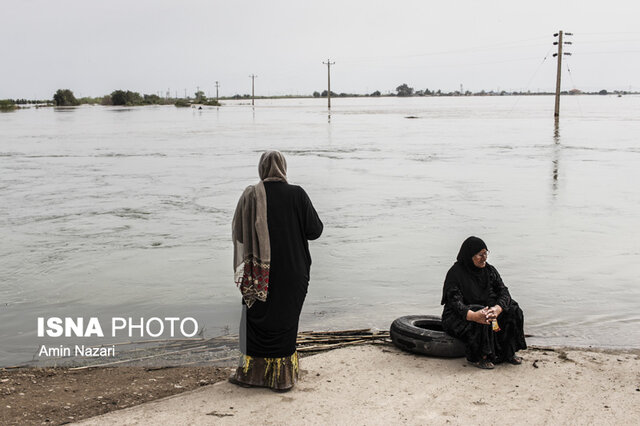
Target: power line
(586, 42)
(608, 52)
(466, 64)
(574, 86)
(514, 44)
(616, 33)
(532, 77)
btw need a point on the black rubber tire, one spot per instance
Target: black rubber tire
(423, 334)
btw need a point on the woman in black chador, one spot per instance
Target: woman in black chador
(271, 228)
(479, 310)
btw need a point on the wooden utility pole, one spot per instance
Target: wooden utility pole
(328, 64)
(560, 43)
(556, 112)
(253, 77)
(217, 85)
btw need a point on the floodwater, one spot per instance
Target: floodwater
(125, 212)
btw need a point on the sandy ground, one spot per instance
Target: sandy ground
(379, 384)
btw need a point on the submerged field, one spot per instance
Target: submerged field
(126, 212)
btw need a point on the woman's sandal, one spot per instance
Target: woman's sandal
(484, 364)
(237, 382)
(515, 360)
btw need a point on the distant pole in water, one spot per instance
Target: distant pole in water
(253, 78)
(559, 34)
(217, 85)
(556, 112)
(328, 64)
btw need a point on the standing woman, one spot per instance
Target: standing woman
(271, 228)
(472, 281)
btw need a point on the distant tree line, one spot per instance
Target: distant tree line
(324, 94)
(30, 101)
(65, 97)
(404, 90)
(13, 104)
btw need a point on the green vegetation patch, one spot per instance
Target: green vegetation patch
(65, 97)
(182, 103)
(7, 105)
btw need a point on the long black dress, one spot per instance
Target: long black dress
(272, 326)
(465, 287)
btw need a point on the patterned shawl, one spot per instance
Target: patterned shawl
(250, 231)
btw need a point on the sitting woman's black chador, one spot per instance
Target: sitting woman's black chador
(473, 297)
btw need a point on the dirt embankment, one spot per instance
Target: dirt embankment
(60, 395)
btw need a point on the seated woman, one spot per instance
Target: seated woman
(474, 296)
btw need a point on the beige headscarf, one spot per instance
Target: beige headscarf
(250, 232)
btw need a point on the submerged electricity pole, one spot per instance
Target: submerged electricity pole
(328, 64)
(217, 85)
(556, 112)
(253, 77)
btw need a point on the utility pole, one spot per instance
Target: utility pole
(253, 78)
(556, 112)
(328, 64)
(217, 85)
(559, 34)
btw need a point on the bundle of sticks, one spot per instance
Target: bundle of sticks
(317, 341)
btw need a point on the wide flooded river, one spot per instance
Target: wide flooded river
(125, 212)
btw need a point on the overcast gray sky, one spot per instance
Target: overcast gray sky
(150, 46)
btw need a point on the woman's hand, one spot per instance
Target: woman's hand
(494, 312)
(481, 316)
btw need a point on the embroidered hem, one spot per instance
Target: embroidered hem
(275, 373)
